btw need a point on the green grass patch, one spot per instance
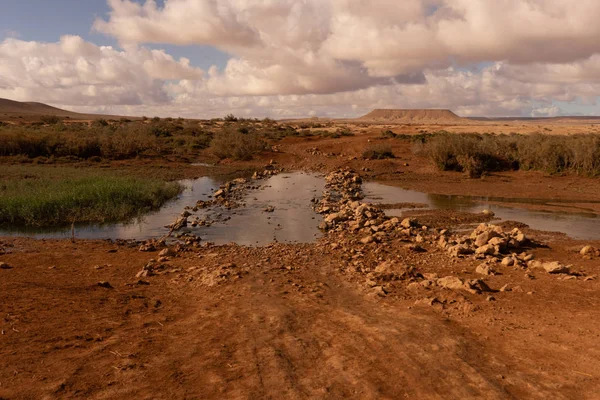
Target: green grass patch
(42, 197)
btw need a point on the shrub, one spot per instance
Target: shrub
(50, 119)
(378, 152)
(230, 143)
(478, 154)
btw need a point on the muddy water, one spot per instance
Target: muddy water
(577, 225)
(293, 219)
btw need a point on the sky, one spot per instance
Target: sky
(296, 58)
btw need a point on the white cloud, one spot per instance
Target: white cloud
(76, 72)
(324, 46)
(320, 57)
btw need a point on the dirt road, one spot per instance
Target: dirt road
(285, 321)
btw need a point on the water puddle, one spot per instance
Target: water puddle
(577, 225)
(292, 220)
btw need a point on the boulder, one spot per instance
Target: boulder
(488, 249)
(508, 261)
(555, 268)
(484, 269)
(451, 282)
(589, 251)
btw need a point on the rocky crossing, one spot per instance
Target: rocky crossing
(359, 228)
(365, 240)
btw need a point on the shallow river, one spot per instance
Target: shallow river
(293, 219)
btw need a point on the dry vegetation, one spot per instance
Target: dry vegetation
(478, 154)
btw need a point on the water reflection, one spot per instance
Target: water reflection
(578, 225)
(293, 219)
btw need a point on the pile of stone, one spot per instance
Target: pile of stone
(487, 241)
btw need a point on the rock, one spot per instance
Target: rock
(167, 253)
(451, 282)
(367, 240)
(484, 269)
(498, 242)
(589, 251)
(219, 193)
(380, 291)
(491, 298)
(105, 285)
(180, 223)
(483, 238)
(4, 265)
(508, 261)
(416, 248)
(528, 257)
(505, 288)
(555, 268)
(477, 286)
(427, 301)
(488, 249)
(487, 212)
(459, 249)
(407, 223)
(269, 209)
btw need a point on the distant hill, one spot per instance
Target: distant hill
(29, 108)
(422, 116)
(31, 111)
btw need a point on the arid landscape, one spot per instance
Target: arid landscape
(403, 254)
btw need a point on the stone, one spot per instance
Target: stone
(483, 238)
(407, 223)
(427, 301)
(505, 288)
(484, 269)
(528, 257)
(499, 242)
(508, 261)
(167, 253)
(487, 212)
(555, 268)
(380, 291)
(451, 282)
(367, 240)
(105, 285)
(219, 193)
(488, 249)
(4, 265)
(588, 251)
(459, 249)
(416, 248)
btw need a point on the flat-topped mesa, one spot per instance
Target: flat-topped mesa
(412, 116)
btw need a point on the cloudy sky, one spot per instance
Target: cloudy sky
(288, 58)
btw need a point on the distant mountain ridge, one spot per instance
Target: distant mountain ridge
(32, 108)
(412, 116)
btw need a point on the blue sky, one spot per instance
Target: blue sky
(48, 20)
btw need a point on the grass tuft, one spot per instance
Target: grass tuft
(60, 196)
